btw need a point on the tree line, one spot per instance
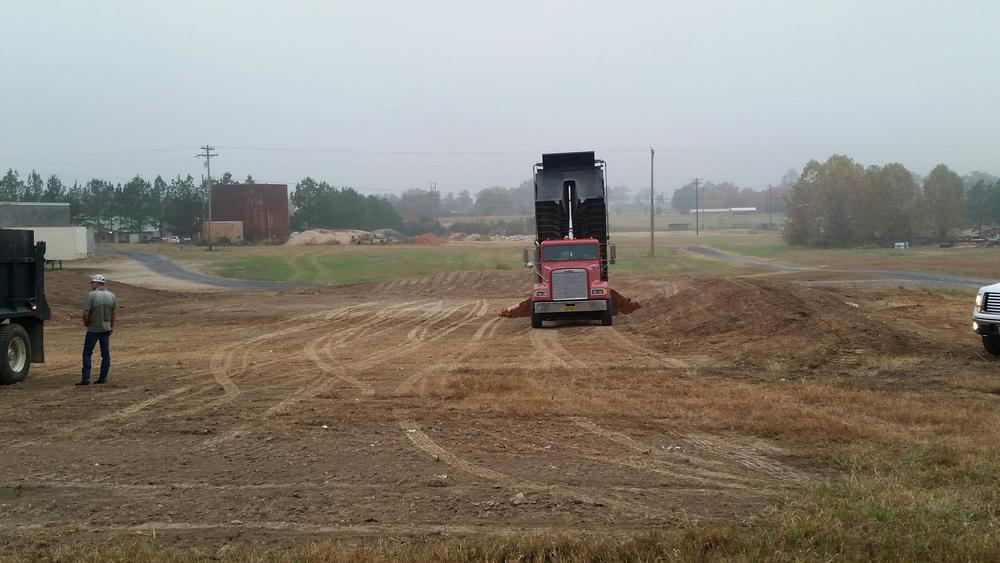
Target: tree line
(842, 203)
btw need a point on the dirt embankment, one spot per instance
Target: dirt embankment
(753, 322)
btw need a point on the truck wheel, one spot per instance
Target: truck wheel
(536, 320)
(607, 315)
(14, 354)
(992, 343)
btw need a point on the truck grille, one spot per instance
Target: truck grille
(569, 284)
(991, 303)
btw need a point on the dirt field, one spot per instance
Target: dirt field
(406, 411)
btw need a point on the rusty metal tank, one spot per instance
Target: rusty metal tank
(263, 209)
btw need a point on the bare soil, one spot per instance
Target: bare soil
(412, 409)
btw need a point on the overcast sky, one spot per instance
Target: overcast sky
(391, 95)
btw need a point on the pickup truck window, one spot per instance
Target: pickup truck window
(569, 252)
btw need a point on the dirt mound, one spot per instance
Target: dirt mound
(755, 322)
(622, 306)
(325, 236)
(522, 309)
(66, 289)
(428, 238)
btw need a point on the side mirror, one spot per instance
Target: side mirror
(526, 259)
(529, 264)
(611, 253)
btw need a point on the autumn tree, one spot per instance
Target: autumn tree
(945, 200)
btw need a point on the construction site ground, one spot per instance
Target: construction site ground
(412, 411)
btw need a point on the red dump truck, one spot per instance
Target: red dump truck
(571, 254)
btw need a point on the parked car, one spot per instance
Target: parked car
(173, 239)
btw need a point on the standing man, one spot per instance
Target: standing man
(99, 317)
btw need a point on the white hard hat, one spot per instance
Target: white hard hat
(98, 278)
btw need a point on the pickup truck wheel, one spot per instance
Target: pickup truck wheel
(536, 320)
(992, 343)
(15, 357)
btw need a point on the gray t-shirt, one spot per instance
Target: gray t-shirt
(101, 304)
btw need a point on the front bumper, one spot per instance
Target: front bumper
(574, 306)
(983, 323)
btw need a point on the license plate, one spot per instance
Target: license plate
(569, 307)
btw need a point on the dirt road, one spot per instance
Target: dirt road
(402, 409)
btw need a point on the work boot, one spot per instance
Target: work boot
(101, 381)
(83, 383)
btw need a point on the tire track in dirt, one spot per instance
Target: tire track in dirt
(342, 371)
(406, 529)
(424, 442)
(688, 467)
(698, 468)
(616, 333)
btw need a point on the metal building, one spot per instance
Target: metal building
(263, 209)
(33, 214)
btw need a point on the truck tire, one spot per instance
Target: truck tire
(536, 320)
(606, 316)
(992, 343)
(15, 354)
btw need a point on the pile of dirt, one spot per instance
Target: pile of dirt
(754, 322)
(522, 309)
(622, 306)
(326, 236)
(428, 238)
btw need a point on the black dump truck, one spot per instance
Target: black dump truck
(23, 309)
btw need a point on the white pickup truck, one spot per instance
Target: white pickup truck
(986, 317)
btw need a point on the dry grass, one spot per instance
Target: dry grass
(890, 364)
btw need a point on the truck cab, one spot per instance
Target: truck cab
(568, 282)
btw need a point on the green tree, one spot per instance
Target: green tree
(306, 199)
(11, 186)
(185, 206)
(132, 203)
(945, 200)
(33, 188)
(157, 203)
(54, 190)
(826, 206)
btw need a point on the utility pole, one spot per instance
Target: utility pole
(434, 199)
(697, 209)
(208, 155)
(652, 153)
(770, 208)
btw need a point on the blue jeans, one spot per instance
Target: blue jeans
(91, 339)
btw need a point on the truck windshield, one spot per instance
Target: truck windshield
(569, 252)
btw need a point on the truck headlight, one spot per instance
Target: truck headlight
(979, 301)
(597, 291)
(542, 293)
